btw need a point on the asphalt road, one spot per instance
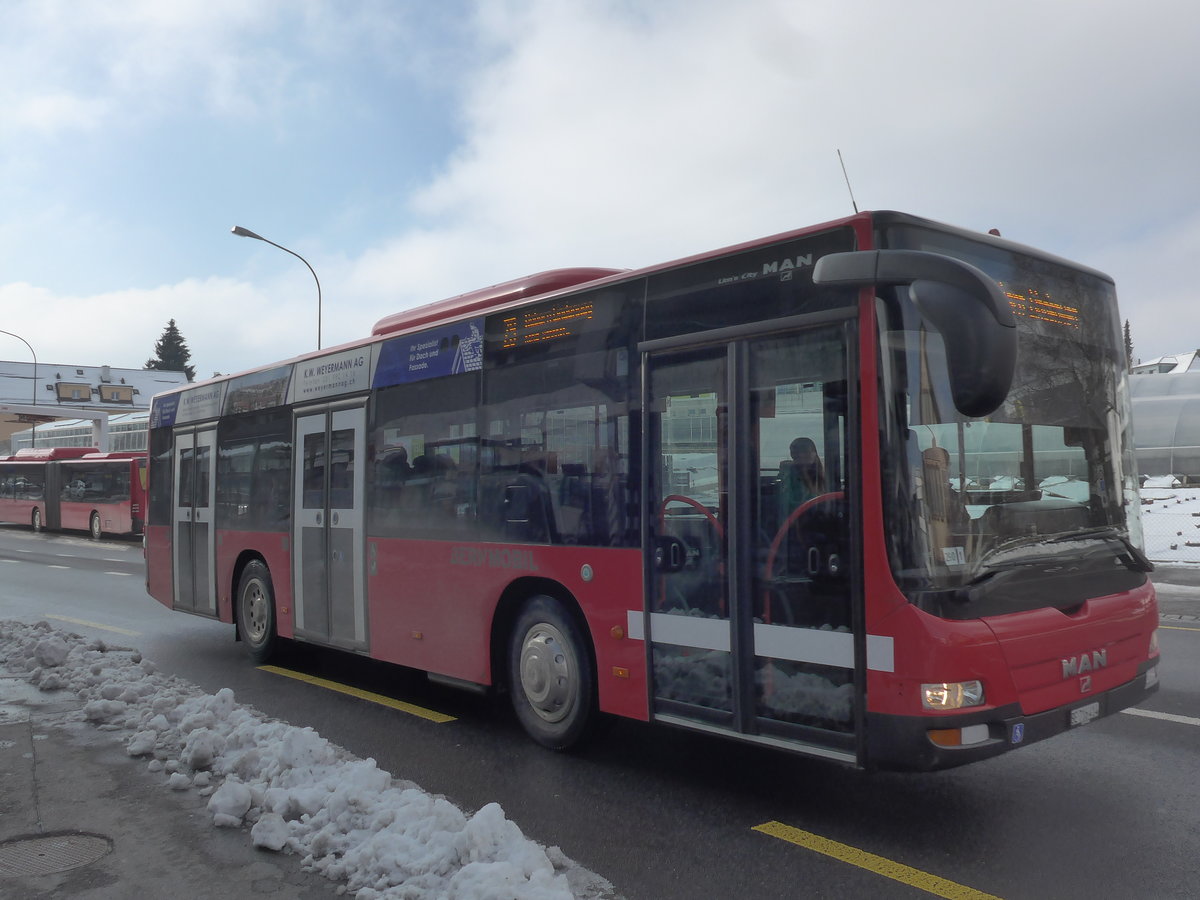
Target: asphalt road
(1110, 810)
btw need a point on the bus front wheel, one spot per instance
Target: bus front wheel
(36, 520)
(256, 611)
(551, 675)
(94, 526)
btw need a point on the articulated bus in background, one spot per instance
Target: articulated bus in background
(863, 491)
(60, 488)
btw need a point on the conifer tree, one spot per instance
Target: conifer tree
(1128, 348)
(171, 353)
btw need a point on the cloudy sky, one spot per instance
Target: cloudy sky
(412, 150)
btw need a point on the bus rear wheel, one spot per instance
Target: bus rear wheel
(256, 611)
(36, 519)
(551, 675)
(94, 526)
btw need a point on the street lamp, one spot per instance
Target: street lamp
(33, 425)
(246, 232)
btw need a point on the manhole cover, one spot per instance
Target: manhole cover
(50, 853)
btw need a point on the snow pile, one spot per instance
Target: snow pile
(1171, 522)
(301, 794)
(1161, 481)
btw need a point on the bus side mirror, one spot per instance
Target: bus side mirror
(961, 302)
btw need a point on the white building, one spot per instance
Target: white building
(1166, 415)
(66, 391)
(1169, 365)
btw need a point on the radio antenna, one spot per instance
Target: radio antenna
(847, 177)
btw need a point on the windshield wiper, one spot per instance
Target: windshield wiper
(1133, 558)
(1010, 557)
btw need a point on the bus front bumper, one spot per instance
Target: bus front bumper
(907, 743)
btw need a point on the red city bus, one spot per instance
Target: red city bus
(74, 488)
(863, 491)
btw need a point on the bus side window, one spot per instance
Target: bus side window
(423, 483)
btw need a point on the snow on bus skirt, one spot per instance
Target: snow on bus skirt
(349, 819)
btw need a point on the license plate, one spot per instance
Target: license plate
(1081, 715)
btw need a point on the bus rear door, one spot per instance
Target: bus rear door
(328, 538)
(193, 502)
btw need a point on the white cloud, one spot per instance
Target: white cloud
(600, 134)
(1155, 296)
(607, 133)
(132, 61)
(54, 112)
(227, 325)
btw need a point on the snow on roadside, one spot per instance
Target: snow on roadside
(350, 820)
(1171, 521)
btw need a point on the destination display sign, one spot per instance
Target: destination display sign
(548, 322)
(1033, 304)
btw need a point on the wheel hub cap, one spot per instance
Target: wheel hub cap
(256, 613)
(547, 677)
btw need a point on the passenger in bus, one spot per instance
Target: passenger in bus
(800, 478)
(948, 522)
(396, 464)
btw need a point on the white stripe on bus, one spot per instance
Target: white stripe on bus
(830, 648)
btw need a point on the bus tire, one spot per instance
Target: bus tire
(551, 676)
(94, 527)
(35, 519)
(256, 611)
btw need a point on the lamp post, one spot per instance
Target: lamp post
(246, 232)
(32, 425)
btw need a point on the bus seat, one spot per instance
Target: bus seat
(528, 514)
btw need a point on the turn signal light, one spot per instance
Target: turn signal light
(959, 737)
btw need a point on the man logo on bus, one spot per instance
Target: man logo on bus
(1085, 662)
(785, 266)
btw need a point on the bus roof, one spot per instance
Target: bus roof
(512, 293)
(486, 298)
(43, 453)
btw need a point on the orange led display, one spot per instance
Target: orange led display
(1035, 305)
(545, 323)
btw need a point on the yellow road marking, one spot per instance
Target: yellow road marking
(1177, 628)
(410, 708)
(95, 625)
(924, 881)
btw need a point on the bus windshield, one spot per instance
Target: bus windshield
(1046, 480)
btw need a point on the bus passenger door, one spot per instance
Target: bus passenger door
(688, 520)
(328, 527)
(192, 504)
(753, 617)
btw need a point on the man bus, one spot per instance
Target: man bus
(573, 487)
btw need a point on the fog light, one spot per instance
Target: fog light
(952, 695)
(1153, 644)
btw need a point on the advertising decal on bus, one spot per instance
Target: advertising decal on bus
(450, 350)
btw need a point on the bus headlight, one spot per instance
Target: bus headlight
(952, 695)
(1153, 644)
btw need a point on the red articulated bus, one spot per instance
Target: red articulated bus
(863, 491)
(61, 488)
